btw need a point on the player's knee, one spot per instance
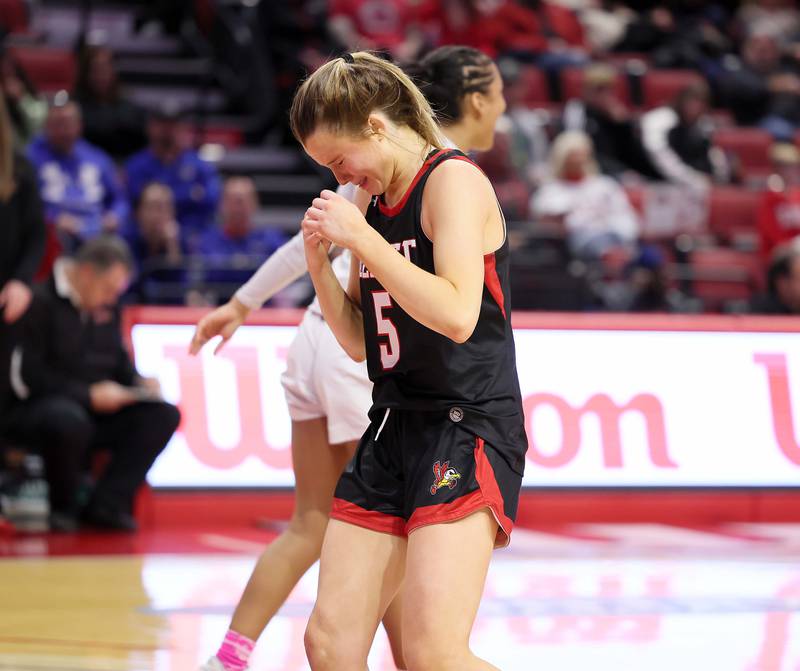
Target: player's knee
(319, 645)
(321, 642)
(327, 645)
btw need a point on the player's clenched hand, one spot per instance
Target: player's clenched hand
(336, 219)
(223, 321)
(316, 246)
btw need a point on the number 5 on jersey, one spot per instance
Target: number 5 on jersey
(390, 352)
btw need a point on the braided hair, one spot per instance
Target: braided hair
(448, 74)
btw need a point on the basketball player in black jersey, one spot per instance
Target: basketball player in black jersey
(434, 485)
(465, 88)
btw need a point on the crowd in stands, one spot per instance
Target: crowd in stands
(687, 109)
(648, 160)
(106, 165)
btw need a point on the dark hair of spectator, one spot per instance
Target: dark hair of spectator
(341, 95)
(83, 86)
(696, 91)
(7, 184)
(104, 252)
(780, 264)
(448, 74)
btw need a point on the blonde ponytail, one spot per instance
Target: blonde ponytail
(342, 94)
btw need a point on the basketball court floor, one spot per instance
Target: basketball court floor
(576, 597)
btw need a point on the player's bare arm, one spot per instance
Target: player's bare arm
(458, 207)
(341, 313)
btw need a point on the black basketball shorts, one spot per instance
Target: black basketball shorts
(413, 469)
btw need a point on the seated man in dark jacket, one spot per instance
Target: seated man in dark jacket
(80, 391)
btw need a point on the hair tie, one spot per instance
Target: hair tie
(348, 58)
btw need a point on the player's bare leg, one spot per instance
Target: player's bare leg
(393, 623)
(446, 569)
(317, 467)
(360, 574)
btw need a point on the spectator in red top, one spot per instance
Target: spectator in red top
(559, 25)
(392, 26)
(779, 213)
(532, 30)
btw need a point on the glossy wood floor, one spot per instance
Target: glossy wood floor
(599, 597)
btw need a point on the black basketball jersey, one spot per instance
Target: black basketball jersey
(415, 368)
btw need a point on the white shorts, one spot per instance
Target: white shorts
(322, 381)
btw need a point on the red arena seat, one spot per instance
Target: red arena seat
(530, 88)
(49, 69)
(229, 137)
(749, 145)
(720, 275)
(13, 16)
(659, 87)
(732, 213)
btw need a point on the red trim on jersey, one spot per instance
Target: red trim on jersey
(468, 160)
(486, 496)
(446, 512)
(489, 268)
(394, 211)
(492, 280)
(484, 474)
(367, 519)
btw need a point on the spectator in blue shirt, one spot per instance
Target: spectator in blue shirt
(233, 249)
(169, 160)
(77, 181)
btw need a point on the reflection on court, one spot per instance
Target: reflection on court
(603, 597)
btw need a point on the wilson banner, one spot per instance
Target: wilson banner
(609, 401)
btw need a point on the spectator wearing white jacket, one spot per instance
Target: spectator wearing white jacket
(600, 226)
(592, 209)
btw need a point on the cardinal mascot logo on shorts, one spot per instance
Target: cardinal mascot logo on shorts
(444, 476)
